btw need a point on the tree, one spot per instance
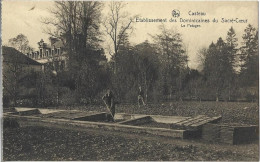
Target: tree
(193, 83)
(47, 91)
(21, 43)
(173, 58)
(136, 66)
(201, 57)
(117, 24)
(218, 70)
(17, 70)
(77, 24)
(249, 57)
(231, 43)
(148, 63)
(249, 64)
(12, 73)
(125, 79)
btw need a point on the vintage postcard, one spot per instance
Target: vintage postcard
(130, 80)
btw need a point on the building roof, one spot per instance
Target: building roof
(58, 44)
(48, 46)
(11, 55)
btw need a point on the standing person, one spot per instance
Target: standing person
(109, 100)
(140, 96)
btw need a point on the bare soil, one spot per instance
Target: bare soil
(231, 112)
(39, 143)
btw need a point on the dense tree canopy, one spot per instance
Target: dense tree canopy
(249, 57)
(228, 70)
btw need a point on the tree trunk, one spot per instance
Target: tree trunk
(146, 89)
(229, 92)
(217, 98)
(170, 93)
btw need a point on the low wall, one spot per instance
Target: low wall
(86, 125)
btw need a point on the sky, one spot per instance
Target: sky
(18, 18)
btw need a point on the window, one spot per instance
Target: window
(41, 55)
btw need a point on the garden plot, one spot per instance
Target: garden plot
(172, 122)
(79, 120)
(170, 126)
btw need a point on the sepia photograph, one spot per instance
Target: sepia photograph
(129, 80)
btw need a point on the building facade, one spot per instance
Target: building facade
(51, 55)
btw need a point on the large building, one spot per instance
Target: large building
(15, 61)
(51, 54)
(18, 75)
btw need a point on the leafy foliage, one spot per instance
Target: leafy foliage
(21, 43)
(249, 57)
(221, 71)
